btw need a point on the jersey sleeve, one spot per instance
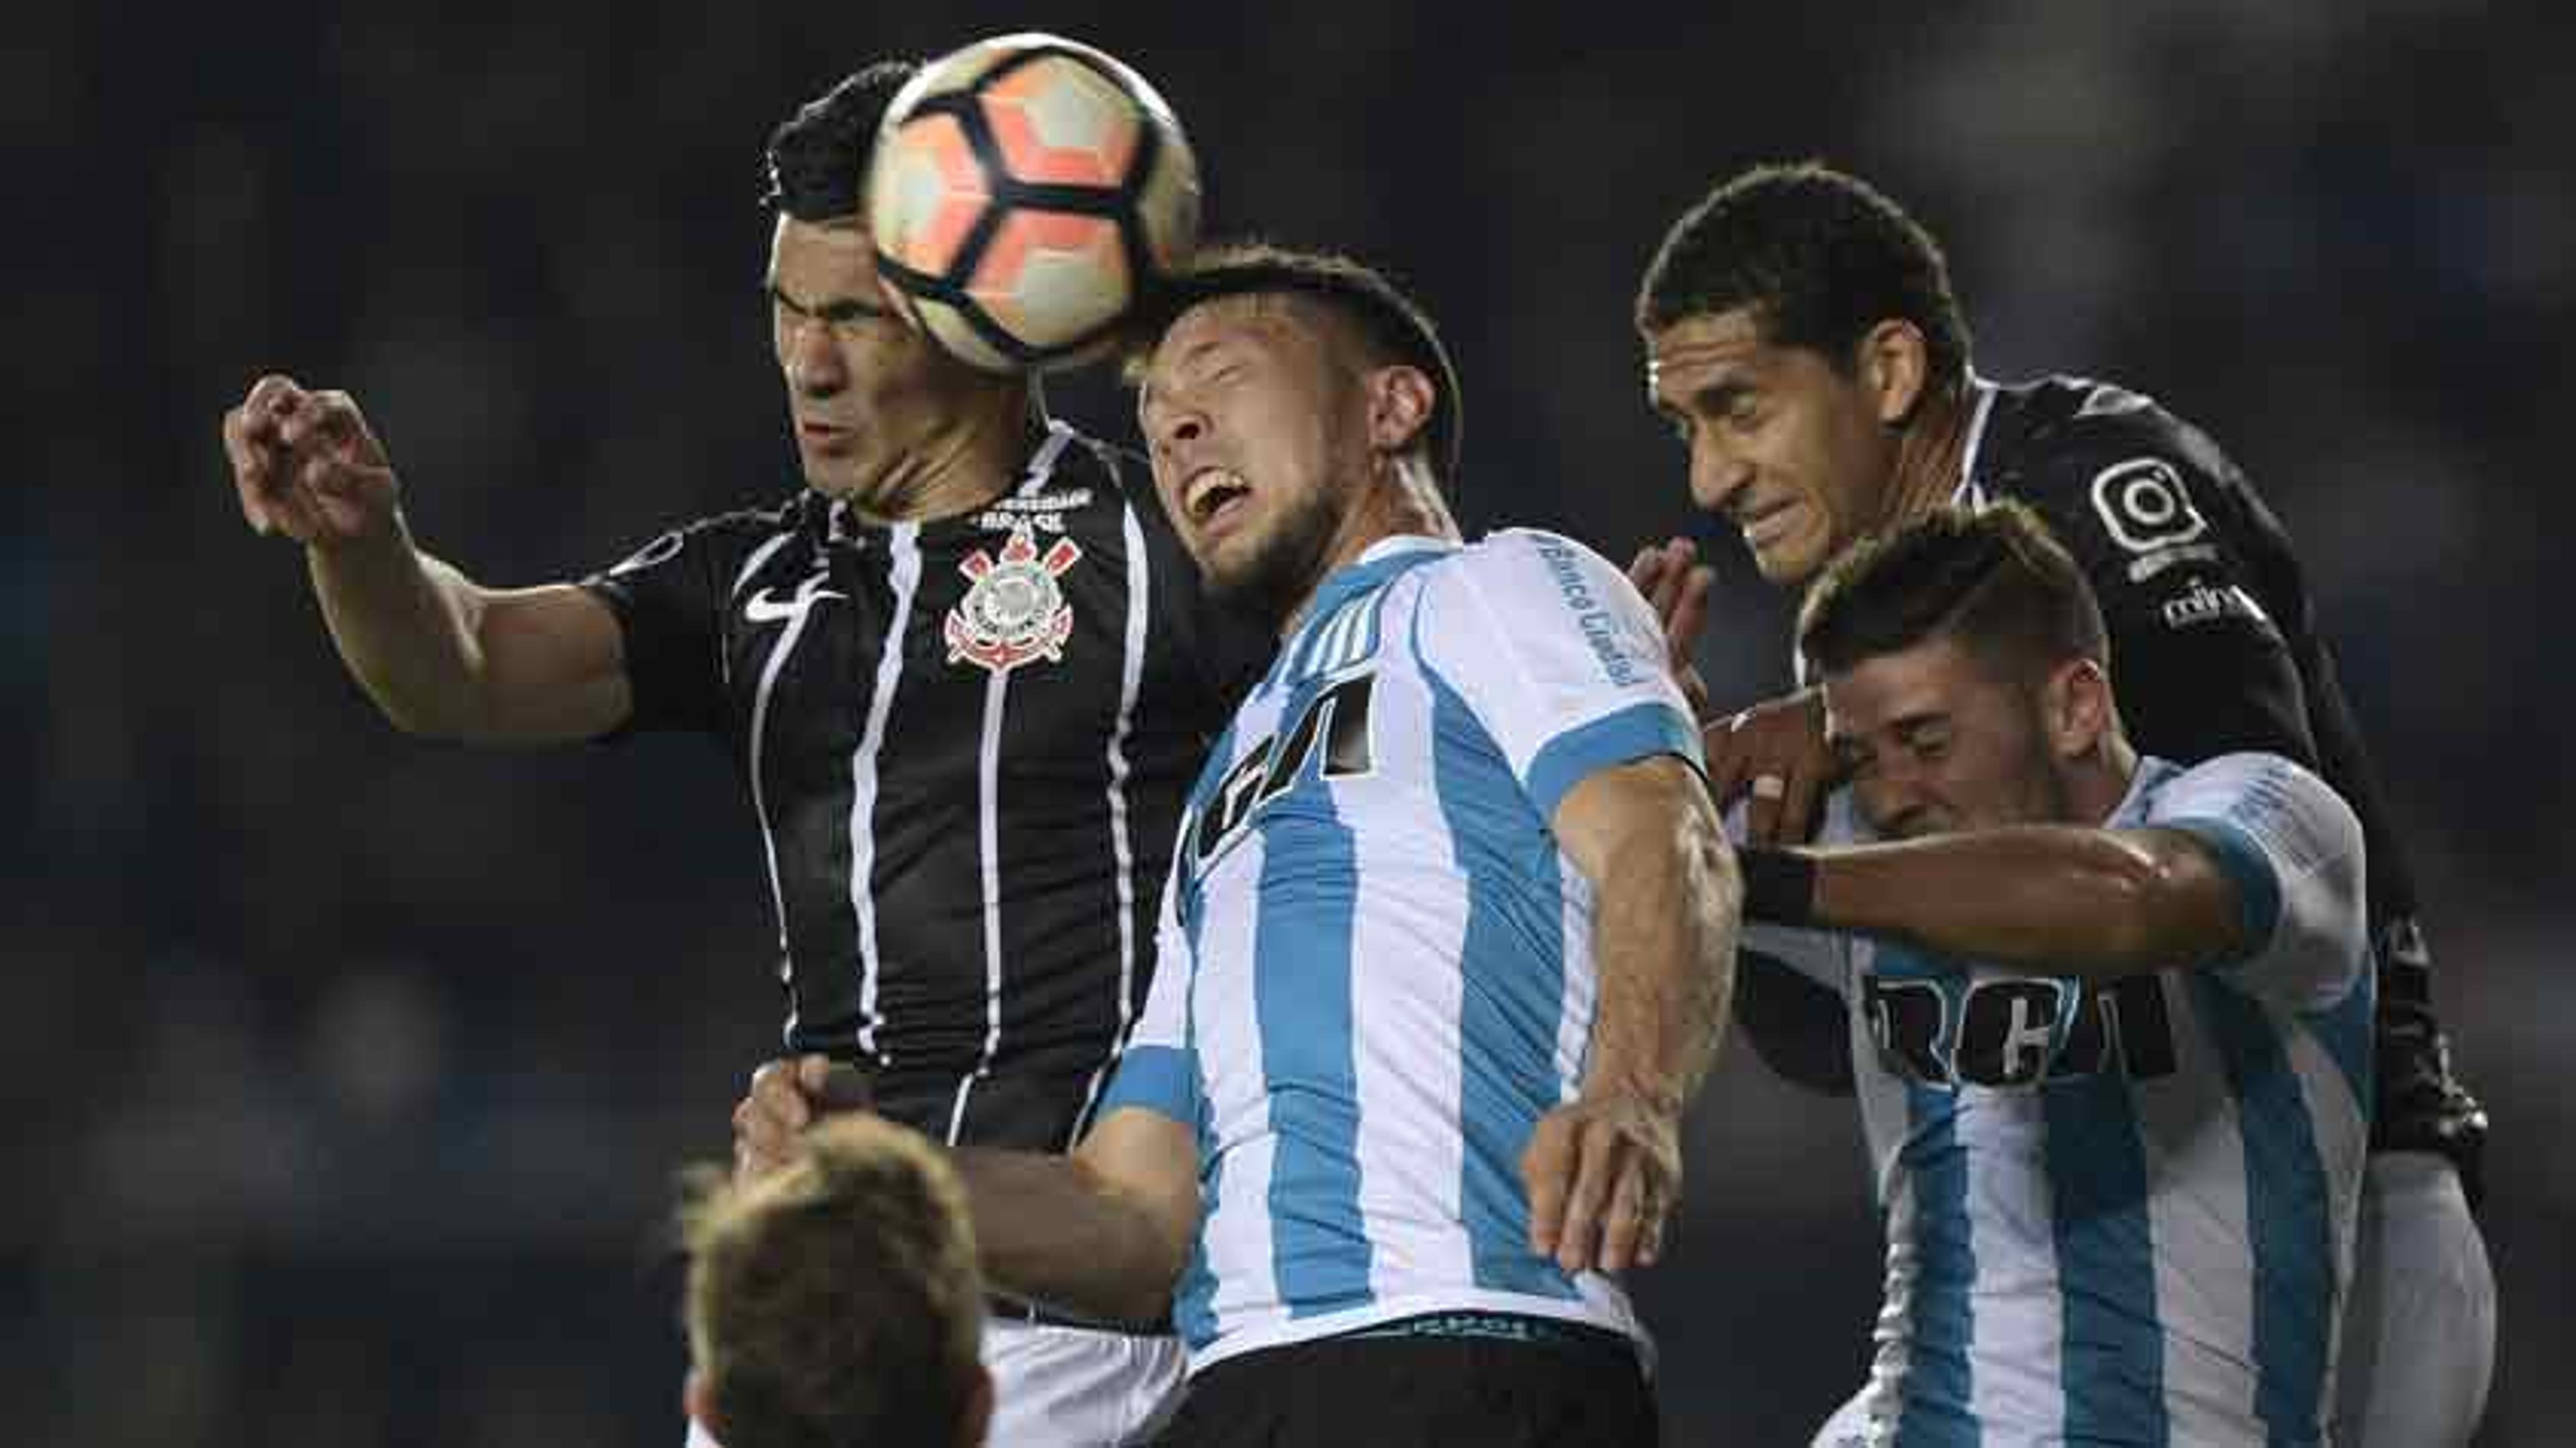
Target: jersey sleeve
(1159, 1069)
(1558, 657)
(2293, 850)
(670, 598)
(2183, 559)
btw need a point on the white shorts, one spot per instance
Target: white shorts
(1068, 1387)
(1072, 1387)
(2419, 1328)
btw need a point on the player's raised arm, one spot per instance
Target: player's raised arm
(1103, 1233)
(2057, 900)
(1665, 907)
(438, 653)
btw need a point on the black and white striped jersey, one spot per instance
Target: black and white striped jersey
(967, 743)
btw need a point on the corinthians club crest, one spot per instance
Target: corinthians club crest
(1014, 612)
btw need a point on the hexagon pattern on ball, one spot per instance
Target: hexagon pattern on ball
(1023, 188)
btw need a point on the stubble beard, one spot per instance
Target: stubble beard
(1282, 568)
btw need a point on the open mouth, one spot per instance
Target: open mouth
(1213, 494)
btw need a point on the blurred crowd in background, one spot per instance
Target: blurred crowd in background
(346, 1075)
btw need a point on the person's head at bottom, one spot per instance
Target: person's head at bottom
(836, 1301)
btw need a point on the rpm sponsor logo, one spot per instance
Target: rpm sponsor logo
(2204, 604)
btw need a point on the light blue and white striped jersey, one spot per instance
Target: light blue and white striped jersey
(1376, 968)
(2122, 1215)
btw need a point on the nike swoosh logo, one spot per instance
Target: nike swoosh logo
(766, 607)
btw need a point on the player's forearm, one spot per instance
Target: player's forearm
(2097, 904)
(1052, 1230)
(1665, 911)
(406, 626)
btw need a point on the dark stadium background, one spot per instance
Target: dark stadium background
(346, 1075)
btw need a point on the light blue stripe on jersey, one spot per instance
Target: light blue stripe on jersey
(1194, 1296)
(1632, 733)
(1513, 965)
(1301, 1004)
(1940, 1327)
(1161, 1079)
(2287, 1213)
(2110, 1359)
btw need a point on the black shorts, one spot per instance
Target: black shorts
(1572, 1386)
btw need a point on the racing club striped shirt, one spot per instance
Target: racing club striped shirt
(1378, 969)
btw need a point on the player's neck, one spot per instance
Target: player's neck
(1403, 501)
(2099, 783)
(963, 464)
(1930, 452)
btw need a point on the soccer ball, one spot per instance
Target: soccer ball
(1024, 191)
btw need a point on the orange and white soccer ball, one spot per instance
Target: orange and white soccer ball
(1024, 191)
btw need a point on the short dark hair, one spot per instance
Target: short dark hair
(1391, 324)
(1993, 578)
(818, 157)
(1821, 257)
(836, 1300)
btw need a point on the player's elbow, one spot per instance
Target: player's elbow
(2144, 913)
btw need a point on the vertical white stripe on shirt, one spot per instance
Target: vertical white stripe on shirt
(1407, 997)
(2204, 1263)
(778, 653)
(1226, 1028)
(988, 836)
(1140, 584)
(1970, 492)
(1580, 992)
(2016, 1314)
(2341, 1124)
(904, 577)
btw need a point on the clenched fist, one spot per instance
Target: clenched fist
(306, 465)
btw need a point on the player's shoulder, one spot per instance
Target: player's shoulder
(730, 533)
(2124, 483)
(1519, 553)
(2251, 785)
(2035, 428)
(2076, 446)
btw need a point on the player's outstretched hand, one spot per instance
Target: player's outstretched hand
(1604, 1172)
(1774, 756)
(307, 465)
(1676, 586)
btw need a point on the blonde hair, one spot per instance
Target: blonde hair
(837, 1300)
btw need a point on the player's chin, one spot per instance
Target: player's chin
(1788, 562)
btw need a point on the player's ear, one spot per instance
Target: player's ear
(2077, 707)
(1895, 367)
(1400, 400)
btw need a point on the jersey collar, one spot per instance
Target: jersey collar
(1377, 563)
(1970, 493)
